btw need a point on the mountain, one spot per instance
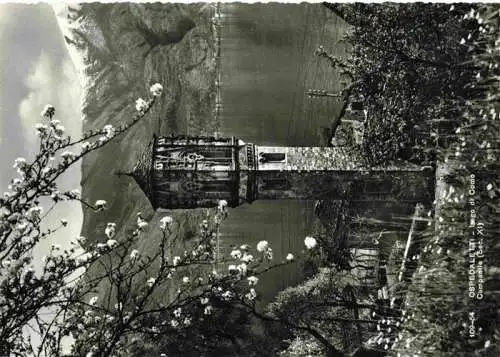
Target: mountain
(268, 64)
(119, 50)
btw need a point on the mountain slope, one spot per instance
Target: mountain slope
(119, 50)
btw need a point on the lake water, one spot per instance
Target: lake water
(268, 64)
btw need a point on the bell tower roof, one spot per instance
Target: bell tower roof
(179, 172)
(142, 171)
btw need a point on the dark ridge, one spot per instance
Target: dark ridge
(166, 38)
(336, 9)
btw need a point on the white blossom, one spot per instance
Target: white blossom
(151, 282)
(27, 239)
(109, 131)
(242, 269)
(86, 146)
(16, 184)
(156, 89)
(252, 294)
(176, 260)
(84, 258)
(178, 312)
(4, 212)
(310, 242)
(93, 300)
(59, 130)
(141, 105)
(174, 323)
(227, 295)
(111, 243)
(134, 254)
(19, 163)
(110, 230)
(165, 222)
(6, 263)
(68, 155)
(208, 310)
(34, 212)
(187, 321)
(290, 257)
(185, 280)
(262, 246)
(100, 204)
(236, 254)
(41, 130)
(204, 300)
(247, 258)
(48, 111)
(252, 280)
(232, 269)
(22, 226)
(141, 223)
(75, 193)
(222, 204)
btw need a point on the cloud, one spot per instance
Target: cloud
(51, 81)
(5, 21)
(5, 15)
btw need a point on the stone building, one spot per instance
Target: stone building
(192, 172)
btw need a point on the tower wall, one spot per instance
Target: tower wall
(330, 173)
(190, 172)
(357, 186)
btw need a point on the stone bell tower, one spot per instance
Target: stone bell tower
(192, 172)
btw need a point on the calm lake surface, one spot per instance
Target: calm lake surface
(268, 64)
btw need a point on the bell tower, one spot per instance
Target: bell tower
(192, 172)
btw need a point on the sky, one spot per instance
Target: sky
(35, 70)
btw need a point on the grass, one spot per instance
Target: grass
(450, 309)
(451, 302)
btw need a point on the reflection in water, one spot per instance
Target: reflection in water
(268, 64)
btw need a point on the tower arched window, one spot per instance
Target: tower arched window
(271, 157)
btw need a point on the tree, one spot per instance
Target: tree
(409, 64)
(25, 292)
(108, 298)
(331, 314)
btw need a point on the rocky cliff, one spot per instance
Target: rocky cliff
(119, 50)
